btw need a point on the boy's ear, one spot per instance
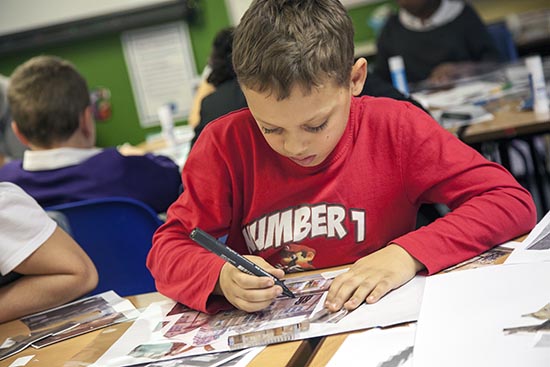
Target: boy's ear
(18, 134)
(87, 123)
(358, 76)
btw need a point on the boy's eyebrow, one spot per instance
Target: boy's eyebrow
(304, 123)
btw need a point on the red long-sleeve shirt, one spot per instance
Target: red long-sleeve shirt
(391, 158)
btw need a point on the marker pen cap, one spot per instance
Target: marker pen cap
(167, 123)
(398, 76)
(396, 63)
(538, 84)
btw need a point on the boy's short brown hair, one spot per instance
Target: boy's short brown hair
(282, 43)
(47, 96)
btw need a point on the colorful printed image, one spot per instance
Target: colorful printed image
(211, 327)
(308, 285)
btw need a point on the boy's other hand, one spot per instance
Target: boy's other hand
(249, 293)
(372, 277)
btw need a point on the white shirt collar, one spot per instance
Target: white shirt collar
(41, 160)
(447, 12)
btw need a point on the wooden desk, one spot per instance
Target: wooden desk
(327, 348)
(509, 123)
(89, 347)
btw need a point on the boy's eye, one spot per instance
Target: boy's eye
(318, 128)
(270, 131)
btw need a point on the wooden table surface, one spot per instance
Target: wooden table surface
(508, 123)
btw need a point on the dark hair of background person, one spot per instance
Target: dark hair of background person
(220, 58)
(228, 95)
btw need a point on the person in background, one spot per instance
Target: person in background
(203, 89)
(10, 146)
(438, 40)
(227, 95)
(51, 112)
(309, 168)
(41, 266)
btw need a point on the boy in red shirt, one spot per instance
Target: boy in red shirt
(309, 176)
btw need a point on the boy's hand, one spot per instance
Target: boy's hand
(371, 277)
(249, 293)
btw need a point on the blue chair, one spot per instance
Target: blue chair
(503, 41)
(116, 233)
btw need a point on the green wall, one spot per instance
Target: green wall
(101, 62)
(360, 17)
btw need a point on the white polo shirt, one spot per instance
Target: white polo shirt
(446, 13)
(24, 226)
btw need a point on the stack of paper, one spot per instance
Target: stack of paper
(483, 317)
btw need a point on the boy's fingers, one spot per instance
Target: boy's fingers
(247, 281)
(331, 302)
(250, 306)
(258, 295)
(367, 292)
(278, 273)
(359, 293)
(345, 286)
(255, 300)
(381, 289)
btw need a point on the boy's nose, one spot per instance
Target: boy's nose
(295, 146)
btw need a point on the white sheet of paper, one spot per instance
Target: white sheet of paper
(464, 313)
(400, 305)
(22, 361)
(375, 347)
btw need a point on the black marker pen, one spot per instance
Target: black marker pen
(456, 116)
(234, 258)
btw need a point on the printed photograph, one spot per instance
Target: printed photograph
(308, 284)
(89, 314)
(493, 256)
